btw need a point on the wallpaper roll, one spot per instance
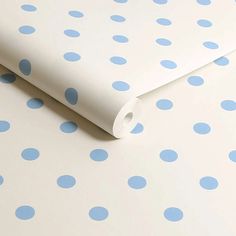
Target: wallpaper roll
(97, 57)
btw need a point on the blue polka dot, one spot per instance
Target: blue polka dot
(72, 56)
(137, 129)
(137, 182)
(25, 67)
(35, 103)
(222, 61)
(204, 23)
(4, 126)
(27, 29)
(164, 104)
(168, 155)
(1, 180)
(25, 212)
(28, 7)
(168, 64)
(232, 155)
(98, 213)
(66, 181)
(7, 78)
(120, 38)
(68, 127)
(210, 45)
(204, 2)
(30, 154)
(209, 183)
(76, 14)
(118, 60)
(163, 21)
(160, 1)
(163, 42)
(118, 18)
(121, 1)
(195, 80)
(228, 105)
(71, 96)
(99, 155)
(173, 214)
(120, 86)
(71, 33)
(201, 128)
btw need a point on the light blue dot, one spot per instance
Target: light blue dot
(120, 86)
(68, 127)
(163, 21)
(28, 7)
(209, 183)
(173, 214)
(121, 1)
(72, 56)
(168, 155)
(25, 67)
(168, 64)
(222, 61)
(71, 33)
(1, 180)
(98, 213)
(30, 154)
(204, 23)
(27, 29)
(137, 182)
(137, 129)
(120, 38)
(66, 181)
(202, 128)
(204, 2)
(210, 45)
(232, 155)
(118, 18)
(4, 126)
(163, 42)
(25, 212)
(164, 104)
(35, 103)
(76, 14)
(228, 105)
(195, 80)
(160, 1)
(118, 60)
(99, 155)
(7, 78)
(71, 96)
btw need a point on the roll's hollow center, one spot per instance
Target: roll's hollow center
(128, 117)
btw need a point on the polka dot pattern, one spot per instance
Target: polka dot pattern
(99, 155)
(120, 86)
(228, 105)
(7, 78)
(68, 127)
(25, 67)
(137, 129)
(98, 213)
(71, 96)
(168, 155)
(222, 61)
(4, 126)
(168, 64)
(201, 128)
(173, 214)
(35, 103)
(25, 212)
(195, 80)
(164, 104)
(72, 56)
(137, 182)
(30, 154)
(66, 181)
(208, 183)
(27, 29)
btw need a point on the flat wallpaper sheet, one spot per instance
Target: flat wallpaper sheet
(96, 57)
(63, 171)
(174, 175)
